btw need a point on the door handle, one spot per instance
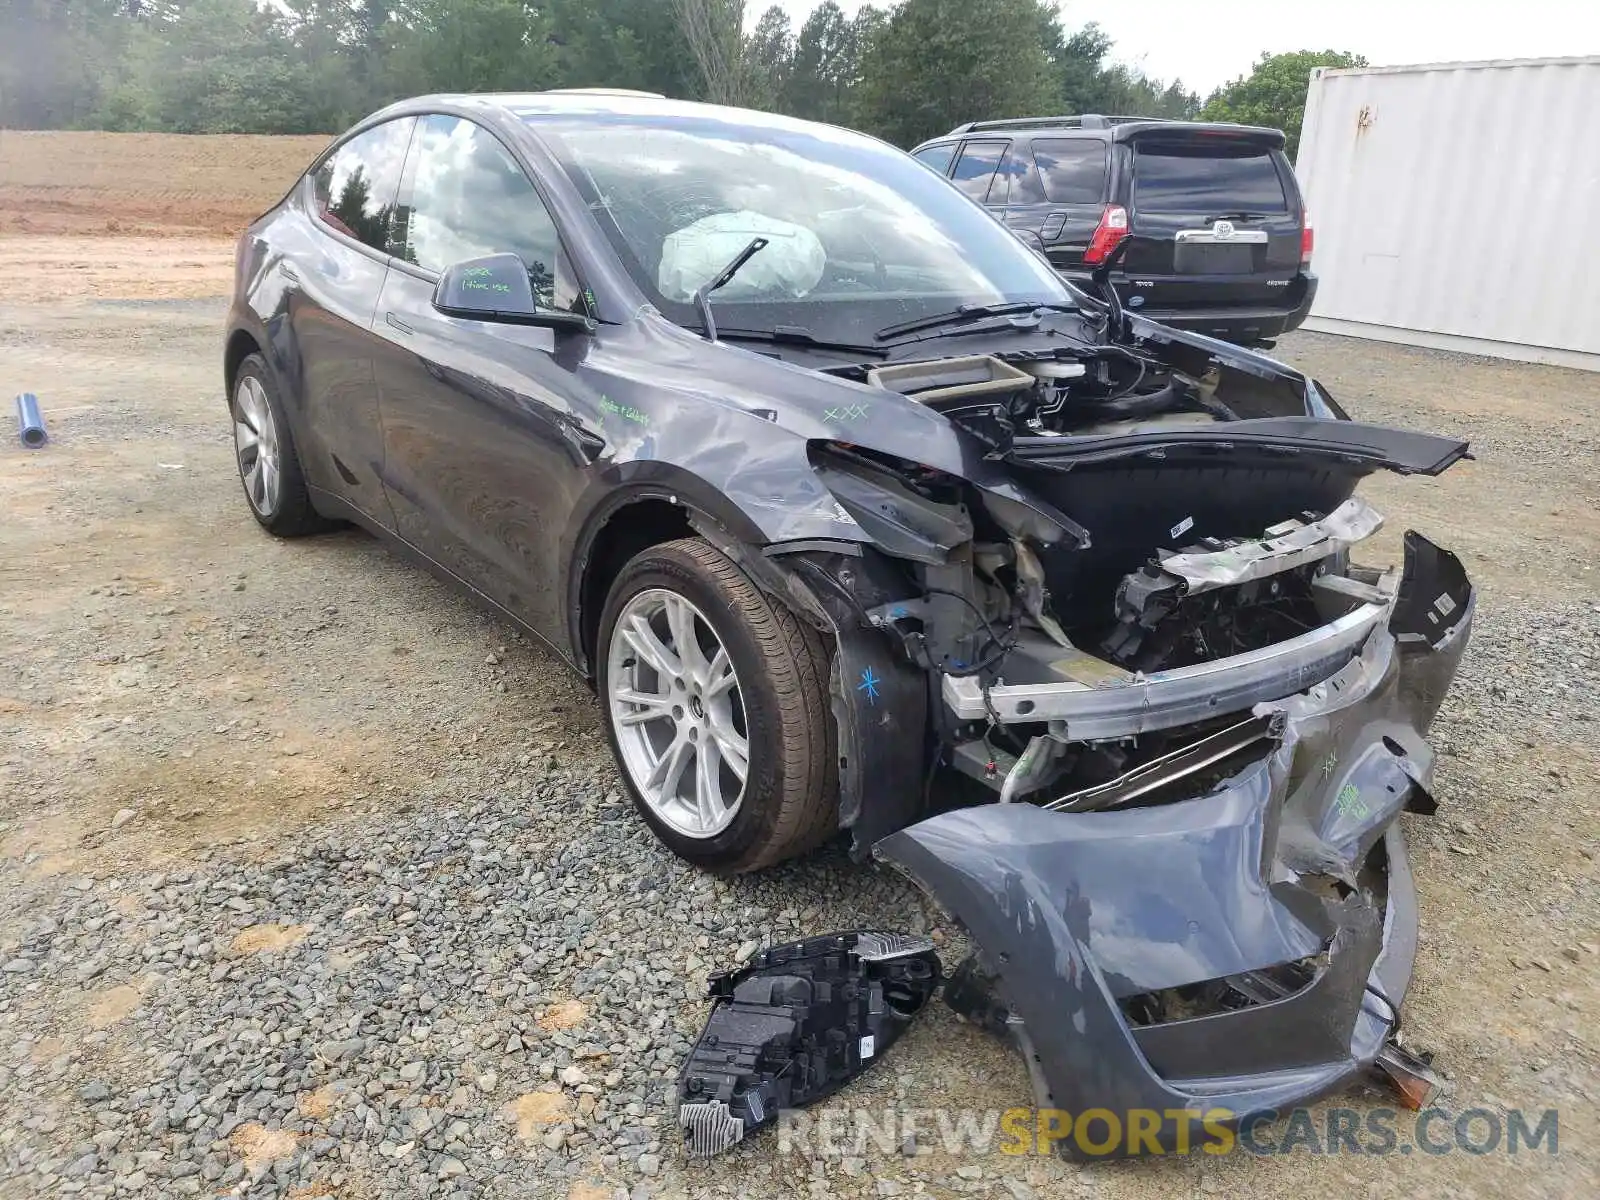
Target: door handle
(395, 322)
(289, 273)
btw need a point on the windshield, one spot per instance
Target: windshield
(859, 235)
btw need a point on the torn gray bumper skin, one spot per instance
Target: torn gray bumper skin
(1292, 868)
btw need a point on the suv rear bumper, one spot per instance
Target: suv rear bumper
(1244, 323)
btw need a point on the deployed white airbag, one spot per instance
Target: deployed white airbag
(791, 264)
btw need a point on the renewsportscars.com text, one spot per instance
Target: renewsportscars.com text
(1100, 1132)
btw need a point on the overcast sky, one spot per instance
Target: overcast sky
(1208, 44)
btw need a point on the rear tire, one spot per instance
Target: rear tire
(267, 457)
(753, 683)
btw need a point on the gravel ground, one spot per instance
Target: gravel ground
(318, 882)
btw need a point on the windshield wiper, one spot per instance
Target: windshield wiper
(967, 312)
(702, 295)
(796, 335)
(1239, 215)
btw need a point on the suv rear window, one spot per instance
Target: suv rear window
(1074, 172)
(1207, 179)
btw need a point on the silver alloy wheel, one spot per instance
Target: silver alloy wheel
(678, 713)
(255, 441)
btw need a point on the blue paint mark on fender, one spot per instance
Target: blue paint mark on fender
(869, 684)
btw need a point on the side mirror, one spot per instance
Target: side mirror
(497, 288)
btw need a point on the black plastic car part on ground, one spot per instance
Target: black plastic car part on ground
(1218, 239)
(862, 521)
(795, 1025)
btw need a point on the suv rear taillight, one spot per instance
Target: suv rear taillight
(1307, 238)
(1108, 234)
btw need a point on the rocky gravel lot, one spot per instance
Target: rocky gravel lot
(317, 882)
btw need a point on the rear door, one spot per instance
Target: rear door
(1015, 194)
(1214, 221)
(334, 276)
(1073, 175)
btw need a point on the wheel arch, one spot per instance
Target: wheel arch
(624, 530)
(241, 345)
(670, 504)
(877, 703)
(661, 503)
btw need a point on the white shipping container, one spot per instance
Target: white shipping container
(1457, 206)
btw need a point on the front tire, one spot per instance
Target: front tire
(716, 706)
(268, 460)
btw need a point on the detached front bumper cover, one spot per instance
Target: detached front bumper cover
(1294, 868)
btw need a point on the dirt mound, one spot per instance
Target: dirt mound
(144, 184)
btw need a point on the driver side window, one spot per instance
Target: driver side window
(470, 199)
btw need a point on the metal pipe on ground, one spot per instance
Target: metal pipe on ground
(29, 421)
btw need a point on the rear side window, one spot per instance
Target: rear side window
(936, 158)
(357, 185)
(1207, 180)
(1074, 172)
(975, 168)
(470, 199)
(1016, 182)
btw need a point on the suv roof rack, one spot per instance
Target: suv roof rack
(1077, 121)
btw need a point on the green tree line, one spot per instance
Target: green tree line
(904, 70)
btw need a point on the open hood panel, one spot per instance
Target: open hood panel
(1372, 446)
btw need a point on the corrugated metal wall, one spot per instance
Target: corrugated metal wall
(1458, 205)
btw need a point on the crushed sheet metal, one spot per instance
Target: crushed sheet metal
(1289, 545)
(1167, 699)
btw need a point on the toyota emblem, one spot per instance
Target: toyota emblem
(1222, 229)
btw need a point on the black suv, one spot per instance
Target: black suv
(1219, 241)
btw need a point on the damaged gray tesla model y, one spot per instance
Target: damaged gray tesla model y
(862, 520)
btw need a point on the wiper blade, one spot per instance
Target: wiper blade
(967, 312)
(795, 335)
(1014, 323)
(1240, 215)
(702, 296)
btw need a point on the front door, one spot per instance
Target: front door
(975, 168)
(483, 455)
